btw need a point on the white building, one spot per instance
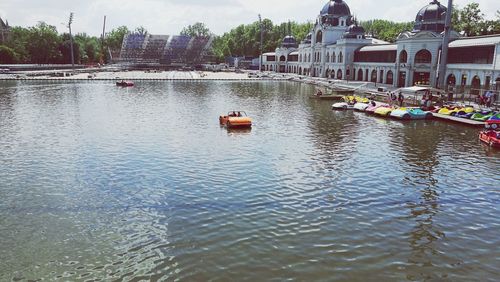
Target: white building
(338, 48)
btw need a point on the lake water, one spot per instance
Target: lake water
(100, 182)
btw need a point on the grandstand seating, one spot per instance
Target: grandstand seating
(164, 49)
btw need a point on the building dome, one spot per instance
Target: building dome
(289, 42)
(355, 31)
(336, 8)
(431, 18)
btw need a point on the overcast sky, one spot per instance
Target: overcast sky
(170, 16)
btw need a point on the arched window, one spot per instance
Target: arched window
(360, 75)
(319, 37)
(423, 57)
(374, 76)
(334, 58)
(390, 78)
(341, 57)
(451, 80)
(327, 57)
(339, 74)
(475, 85)
(282, 58)
(403, 57)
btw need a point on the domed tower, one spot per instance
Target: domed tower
(355, 32)
(289, 42)
(333, 21)
(335, 13)
(431, 18)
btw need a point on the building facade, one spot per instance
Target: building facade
(4, 31)
(338, 48)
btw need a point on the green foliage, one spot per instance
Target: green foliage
(244, 40)
(89, 48)
(43, 43)
(196, 30)
(114, 39)
(18, 41)
(470, 21)
(7, 55)
(385, 30)
(141, 30)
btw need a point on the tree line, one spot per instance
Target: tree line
(42, 44)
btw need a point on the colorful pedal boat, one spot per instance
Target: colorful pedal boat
(124, 83)
(361, 107)
(483, 116)
(342, 106)
(355, 99)
(236, 119)
(495, 117)
(384, 111)
(491, 135)
(371, 109)
(411, 114)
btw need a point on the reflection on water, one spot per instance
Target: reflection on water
(101, 182)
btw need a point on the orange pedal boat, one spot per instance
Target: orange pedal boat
(491, 135)
(236, 119)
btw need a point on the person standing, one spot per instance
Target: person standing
(401, 98)
(488, 98)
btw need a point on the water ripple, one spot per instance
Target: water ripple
(103, 183)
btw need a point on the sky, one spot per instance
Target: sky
(170, 16)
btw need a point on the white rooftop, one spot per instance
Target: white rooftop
(476, 41)
(380, 47)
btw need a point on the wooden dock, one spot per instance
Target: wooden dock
(460, 120)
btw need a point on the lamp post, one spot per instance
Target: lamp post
(261, 43)
(71, 40)
(446, 41)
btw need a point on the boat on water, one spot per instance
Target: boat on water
(361, 107)
(125, 83)
(483, 116)
(384, 111)
(342, 106)
(495, 117)
(411, 114)
(355, 99)
(371, 109)
(235, 119)
(491, 135)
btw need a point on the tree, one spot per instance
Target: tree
(43, 43)
(471, 19)
(114, 39)
(7, 55)
(141, 30)
(18, 41)
(196, 30)
(385, 30)
(65, 49)
(89, 48)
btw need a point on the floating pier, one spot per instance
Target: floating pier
(459, 120)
